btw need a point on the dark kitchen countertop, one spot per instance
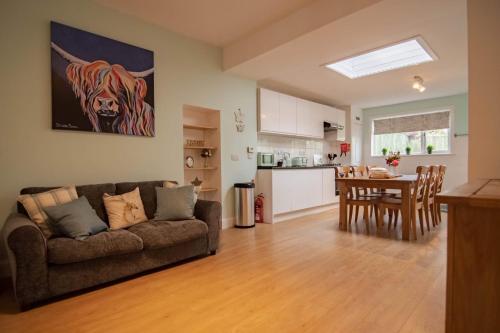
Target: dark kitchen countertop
(295, 167)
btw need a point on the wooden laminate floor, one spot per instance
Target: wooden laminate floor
(297, 276)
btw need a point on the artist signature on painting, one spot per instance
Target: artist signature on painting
(69, 125)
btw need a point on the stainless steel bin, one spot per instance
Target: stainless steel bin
(244, 205)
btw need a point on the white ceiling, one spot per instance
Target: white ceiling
(295, 67)
(245, 28)
(217, 22)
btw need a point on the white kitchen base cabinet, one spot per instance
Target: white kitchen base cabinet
(290, 193)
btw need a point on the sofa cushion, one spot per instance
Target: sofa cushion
(75, 219)
(125, 209)
(34, 205)
(93, 193)
(159, 234)
(175, 203)
(147, 191)
(64, 250)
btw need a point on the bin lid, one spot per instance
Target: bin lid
(245, 185)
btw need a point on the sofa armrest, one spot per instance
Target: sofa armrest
(27, 255)
(210, 212)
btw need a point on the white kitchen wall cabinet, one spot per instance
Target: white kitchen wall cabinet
(269, 111)
(316, 121)
(288, 114)
(304, 109)
(330, 114)
(309, 119)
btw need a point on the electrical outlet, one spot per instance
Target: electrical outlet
(235, 157)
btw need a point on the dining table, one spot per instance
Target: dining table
(404, 183)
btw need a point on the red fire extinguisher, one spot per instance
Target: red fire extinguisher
(259, 208)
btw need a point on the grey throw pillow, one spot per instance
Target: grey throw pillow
(75, 219)
(175, 203)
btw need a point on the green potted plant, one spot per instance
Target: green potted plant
(430, 148)
(384, 151)
(408, 150)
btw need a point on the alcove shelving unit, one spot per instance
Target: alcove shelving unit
(203, 124)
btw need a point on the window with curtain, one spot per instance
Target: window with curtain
(415, 131)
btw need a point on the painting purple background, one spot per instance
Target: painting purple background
(87, 46)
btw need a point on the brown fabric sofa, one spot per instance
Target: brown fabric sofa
(43, 268)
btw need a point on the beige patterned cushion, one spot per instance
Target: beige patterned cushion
(35, 203)
(125, 209)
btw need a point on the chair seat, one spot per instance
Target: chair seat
(63, 250)
(362, 200)
(160, 234)
(391, 201)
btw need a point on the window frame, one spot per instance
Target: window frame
(423, 142)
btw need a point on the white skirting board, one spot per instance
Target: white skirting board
(304, 212)
(228, 222)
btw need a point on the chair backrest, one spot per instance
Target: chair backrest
(359, 170)
(440, 180)
(432, 178)
(342, 172)
(419, 189)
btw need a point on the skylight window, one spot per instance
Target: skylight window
(403, 54)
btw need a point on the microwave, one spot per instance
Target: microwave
(265, 159)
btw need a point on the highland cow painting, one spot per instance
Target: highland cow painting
(100, 84)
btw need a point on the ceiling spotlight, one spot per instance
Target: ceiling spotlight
(418, 84)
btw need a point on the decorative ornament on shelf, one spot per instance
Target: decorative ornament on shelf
(239, 119)
(195, 143)
(206, 153)
(392, 160)
(197, 185)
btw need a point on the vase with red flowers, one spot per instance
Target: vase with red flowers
(392, 161)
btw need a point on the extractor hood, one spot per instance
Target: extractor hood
(332, 126)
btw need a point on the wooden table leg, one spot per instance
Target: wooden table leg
(343, 206)
(405, 211)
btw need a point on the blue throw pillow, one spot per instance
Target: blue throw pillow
(75, 219)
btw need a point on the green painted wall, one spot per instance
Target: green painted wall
(186, 72)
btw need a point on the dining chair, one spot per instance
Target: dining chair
(439, 188)
(378, 191)
(429, 195)
(416, 199)
(362, 192)
(356, 197)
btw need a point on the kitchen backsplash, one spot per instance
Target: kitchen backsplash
(299, 147)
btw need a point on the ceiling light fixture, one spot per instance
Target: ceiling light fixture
(418, 84)
(407, 53)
